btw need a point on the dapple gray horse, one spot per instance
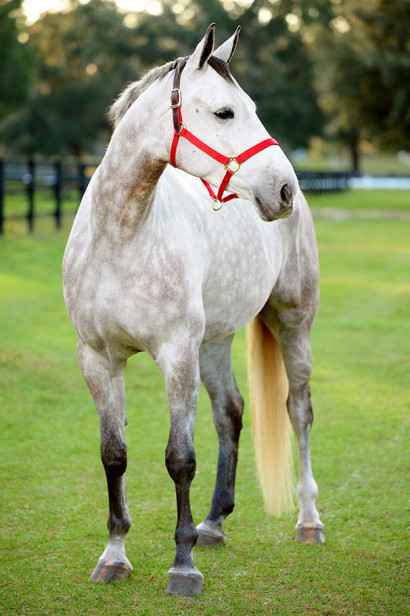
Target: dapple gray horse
(149, 266)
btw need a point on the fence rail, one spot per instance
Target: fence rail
(64, 183)
(22, 183)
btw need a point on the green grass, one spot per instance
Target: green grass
(53, 507)
(363, 199)
(16, 204)
(337, 159)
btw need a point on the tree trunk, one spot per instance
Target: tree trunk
(354, 149)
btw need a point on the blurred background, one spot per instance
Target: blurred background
(331, 78)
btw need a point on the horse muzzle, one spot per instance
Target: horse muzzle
(278, 207)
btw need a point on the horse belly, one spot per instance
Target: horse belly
(237, 289)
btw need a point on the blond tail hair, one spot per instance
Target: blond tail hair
(268, 385)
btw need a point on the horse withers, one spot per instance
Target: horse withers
(149, 266)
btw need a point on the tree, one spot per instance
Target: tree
(363, 73)
(82, 61)
(15, 60)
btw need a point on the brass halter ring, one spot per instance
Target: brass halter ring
(232, 165)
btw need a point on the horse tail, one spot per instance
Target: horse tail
(268, 385)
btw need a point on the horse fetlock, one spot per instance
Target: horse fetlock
(308, 490)
(226, 502)
(187, 535)
(118, 525)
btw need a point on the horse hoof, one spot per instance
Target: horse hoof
(111, 571)
(310, 535)
(209, 535)
(186, 582)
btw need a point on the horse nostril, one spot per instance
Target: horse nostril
(286, 194)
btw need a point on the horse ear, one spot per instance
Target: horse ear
(227, 49)
(204, 49)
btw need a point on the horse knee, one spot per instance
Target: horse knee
(226, 501)
(114, 456)
(181, 465)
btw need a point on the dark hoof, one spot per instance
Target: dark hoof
(110, 571)
(209, 535)
(310, 535)
(186, 582)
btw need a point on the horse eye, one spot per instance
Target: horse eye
(224, 114)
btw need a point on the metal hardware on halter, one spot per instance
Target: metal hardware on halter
(231, 164)
(234, 169)
(178, 102)
(218, 205)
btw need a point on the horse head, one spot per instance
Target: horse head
(225, 141)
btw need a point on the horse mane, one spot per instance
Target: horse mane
(136, 88)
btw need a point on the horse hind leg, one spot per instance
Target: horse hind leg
(227, 406)
(295, 345)
(106, 385)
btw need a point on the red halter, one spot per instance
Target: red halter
(231, 164)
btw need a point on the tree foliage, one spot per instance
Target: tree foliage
(308, 64)
(82, 60)
(362, 64)
(15, 60)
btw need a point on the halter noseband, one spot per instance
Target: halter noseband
(231, 164)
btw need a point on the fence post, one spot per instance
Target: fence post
(82, 180)
(2, 191)
(31, 189)
(58, 188)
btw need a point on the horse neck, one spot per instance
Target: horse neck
(135, 159)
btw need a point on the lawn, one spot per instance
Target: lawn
(364, 200)
(53, 511)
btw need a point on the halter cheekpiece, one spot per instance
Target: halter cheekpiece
(231, 164)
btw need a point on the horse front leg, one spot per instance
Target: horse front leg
(227, 407)
(296, 349)
(180, 365)
(106, 385)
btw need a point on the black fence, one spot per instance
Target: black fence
(324, 181)
(55, 189)
(31, 190)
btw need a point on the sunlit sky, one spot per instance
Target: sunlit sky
(34, 8)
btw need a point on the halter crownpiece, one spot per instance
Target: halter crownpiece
(232, 164)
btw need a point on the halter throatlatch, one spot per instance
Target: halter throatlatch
(231, 164)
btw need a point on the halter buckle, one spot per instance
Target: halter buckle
(217, 205)
(232, 165)
(176, 98)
